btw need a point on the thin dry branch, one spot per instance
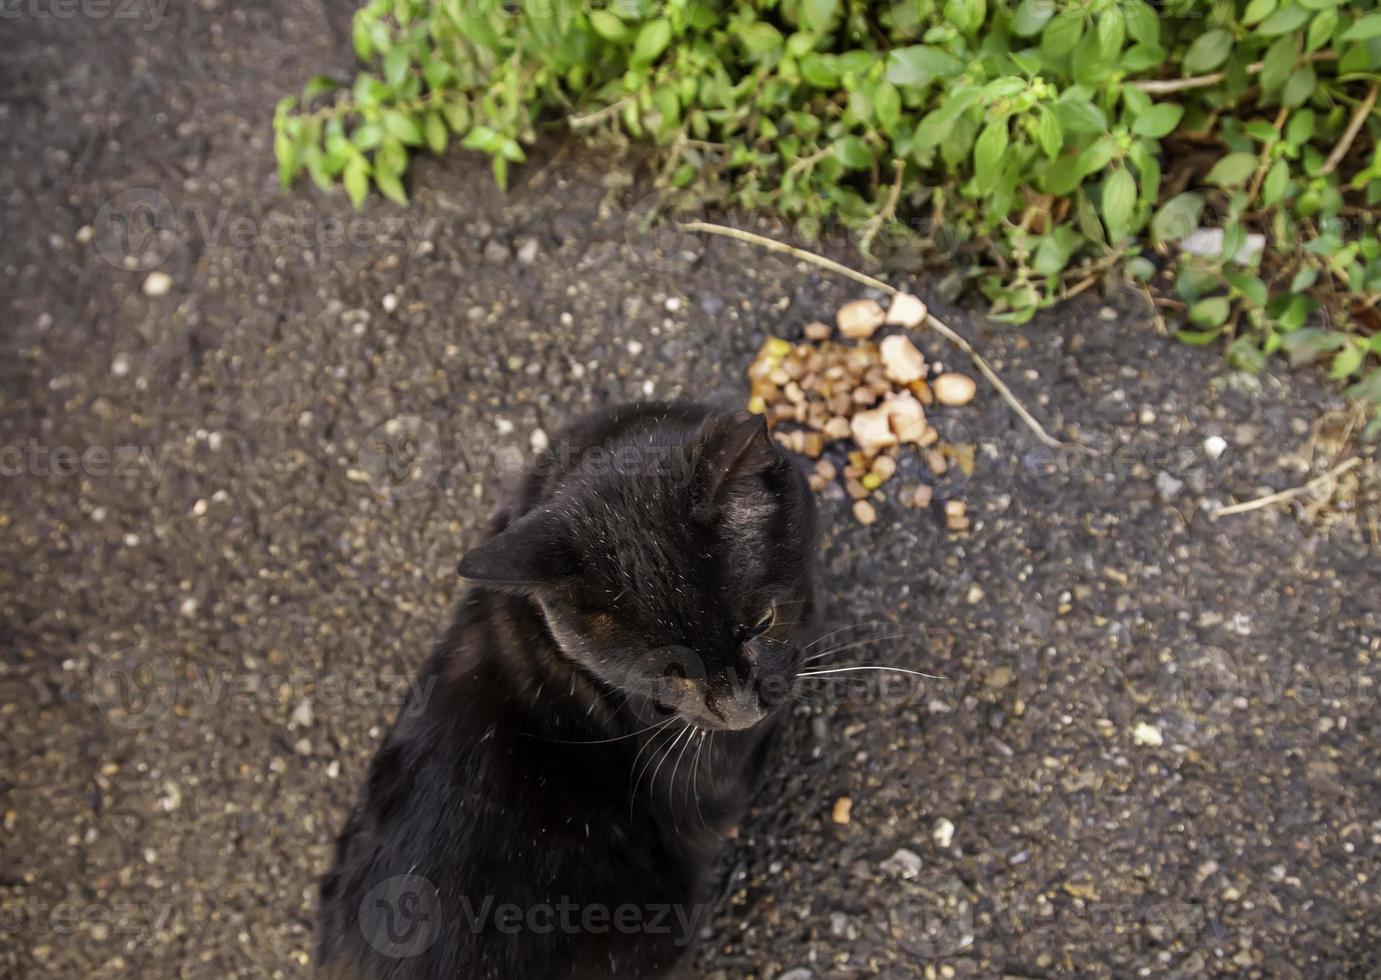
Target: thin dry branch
(931, 320)
(1354, 126)
(1163, 86)
(1284, 495)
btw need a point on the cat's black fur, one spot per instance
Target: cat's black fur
(628, 584)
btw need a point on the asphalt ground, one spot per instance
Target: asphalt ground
(1154, 750)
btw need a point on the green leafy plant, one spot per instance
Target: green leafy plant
(1031, 147)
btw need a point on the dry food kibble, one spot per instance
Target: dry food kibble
(906, 311)
(873, 394)
(901, 360)
(871, 430)
(860, 318)
(906, 416)
(954, 389)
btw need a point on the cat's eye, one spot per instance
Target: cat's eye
(765, 622)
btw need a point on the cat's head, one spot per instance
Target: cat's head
(681, 576)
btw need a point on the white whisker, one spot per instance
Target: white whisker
(840, 670)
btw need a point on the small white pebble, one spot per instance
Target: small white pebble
(649, 386)
(635, 347)
(539, 440)
(131, 540)
(199, 507)
(1147, 734)
(1215, 446)
(84, 235)
(673, 304)
(943, 834)
(120, 365)
(504, 426)
(188, 607)
(157, 284)
(390, 302)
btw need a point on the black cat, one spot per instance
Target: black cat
(596, 716)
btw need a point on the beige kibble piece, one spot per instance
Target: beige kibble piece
(922, 496)
(906, 416)
(826, 469)
(936, 462)
(859, 319)
(837, 428)
(955, 508)
(855, 489)
(871, 429)
(901, 360)
(865, 512)
(884, 467)
(817, 331)
(957, 523)
(842, 810)
(906, 310)
(954, 389)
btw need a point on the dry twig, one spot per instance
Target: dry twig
(1354, 126)
(1291, 494)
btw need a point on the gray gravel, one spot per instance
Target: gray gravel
(1155, 737)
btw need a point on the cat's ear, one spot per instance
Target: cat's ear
(532, 552)
(732, 452)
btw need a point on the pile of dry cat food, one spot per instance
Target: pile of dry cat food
(825, 390)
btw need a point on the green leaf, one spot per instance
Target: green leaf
(1321, 30)
(1062, 34)
(1112, 32)
(1280, 60)
(1197, 338)
(1300, 86)
(852, 152)
(759, 38)
(1080, 116)
(1257, 11)
(392, 188)
(816, 15)
(1048, 132)
(402, 127)
(434, 130)
(1142, 22)
(1276, 183)
(1300, 129)
(608, 26)
(987, 155)
(1160, 120)
(1232, 169)
(1208, 51)
(319, 85)
(919, 65)
(356, 179)
(1177, 217)
(1283, 21)
(1032, 16)
(1119, 199)
(1363, 29)
(1210, 312)
(1347, 361)
(653, 38)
